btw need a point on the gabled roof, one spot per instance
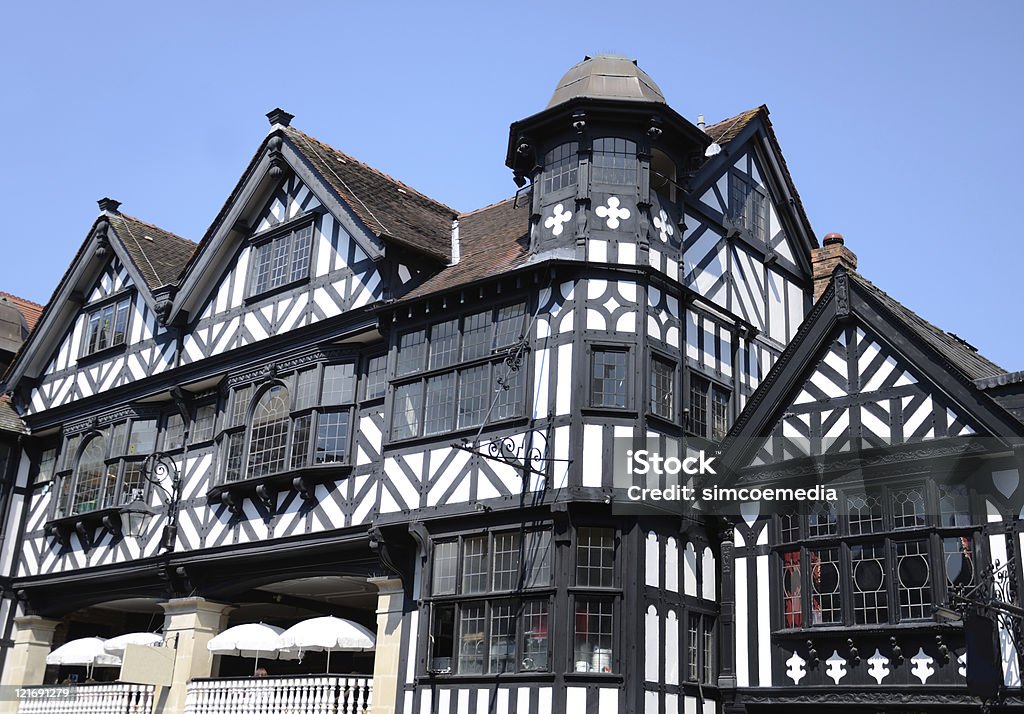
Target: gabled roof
(28, 309)
(388, 207)
(944, 360)
(492, 240)
(160, 256)
(729, 130)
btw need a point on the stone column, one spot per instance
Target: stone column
(189, 624)
(387, 656)
(26, 662)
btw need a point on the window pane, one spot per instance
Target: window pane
(474, 565)
(280, 250)
(870, 595)
(822, 520)
(261, 271)
(71, 452)
(954, 506)
(908, 508)
(405, 419)
(510, 400)
(708, 653)
(301, 242)
(535, 636)
(376, 377)
(64, 497)
(792, 609)
(958, 554)
(537, 559)
(476, 331)
(692, 647)
(737, 198)
(440, 411)
(719, 413)
(914, 579)
(120, 333)
(92, 343)
(233, 462)
(614, 161)
(826, 604)
(143, 437)
(446, 566)
(412, 348)
(663, 388)
(444, 344)
(865, 513)
(240, 405)
(174, 433)
(699, 388)
(203, 426)
(119, 439)
(132, 483)
(47, 465)
(502, 645)
(332, 438)
(509, 327)
(560, 167)
(506, 561)
(108, 487)
(339, 384)
(268, 437)
(471, 639)
(300, 440)
(595, 557)
(593, 640)
(91, 471)
(608, 382)
(789, 525)
(473, 395)
(305, 388)
(443, 639)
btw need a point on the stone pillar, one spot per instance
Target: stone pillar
(189, 624)
(387, 655)
(26, 662)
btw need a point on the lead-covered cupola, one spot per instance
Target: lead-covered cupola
(607, 159)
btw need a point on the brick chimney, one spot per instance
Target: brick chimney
(824, 260)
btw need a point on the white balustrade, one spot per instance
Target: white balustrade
(113, 698)
(302, 694)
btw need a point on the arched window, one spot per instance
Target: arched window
(560, 167)
(90, 486)
(614, 161)
(268, 436)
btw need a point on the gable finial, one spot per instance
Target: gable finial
(280, 116)
(108, 205)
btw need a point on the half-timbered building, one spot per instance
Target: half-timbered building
(351, 399)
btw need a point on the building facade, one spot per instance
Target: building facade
(351, 399)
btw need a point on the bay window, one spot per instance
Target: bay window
(878, 555)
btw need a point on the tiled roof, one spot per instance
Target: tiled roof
(9, 420)
(158, 254)
(726, 130)
(28, 309)
(954, 350)
(388, 207)
(492, 240)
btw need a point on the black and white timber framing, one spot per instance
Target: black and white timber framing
(629, 252)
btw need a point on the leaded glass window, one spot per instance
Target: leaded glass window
(281, 260)
(608, 378)
(614, 161)
(561, 165)
(268, 435)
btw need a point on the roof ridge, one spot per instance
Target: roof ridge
(392, 179)
(485, 208)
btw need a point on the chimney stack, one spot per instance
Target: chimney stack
(824, 260)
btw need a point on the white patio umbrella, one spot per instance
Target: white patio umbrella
(117, 645)
(87, 651)
(253, 639)
(327, 634)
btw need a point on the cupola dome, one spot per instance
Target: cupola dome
(607, 77)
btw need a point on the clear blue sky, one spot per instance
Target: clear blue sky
(899, 120)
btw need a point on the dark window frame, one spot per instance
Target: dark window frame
(659, 358)
(585, 592)
(121, 299)
(707, 426)
(753, 214)
(610, 348)
(287, 230)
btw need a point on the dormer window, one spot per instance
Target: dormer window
(281, 260)
(614, 161)
(561, 166)
(107, 326)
